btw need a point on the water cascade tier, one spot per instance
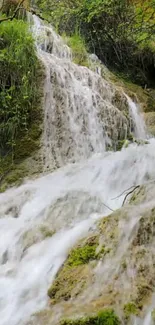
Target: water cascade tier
(84, 113)
(43, 219)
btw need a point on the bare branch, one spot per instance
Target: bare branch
(14, 14)
(108, 207)
(138, 186)
(133, 186)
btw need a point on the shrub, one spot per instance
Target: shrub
(19, 91)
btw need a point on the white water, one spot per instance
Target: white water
(68, 201)
(139, 124)
(80, 118)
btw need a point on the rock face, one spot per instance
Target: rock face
(112, 268)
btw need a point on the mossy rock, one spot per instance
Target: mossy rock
(146, 229)
(69, 283)
(104, 317)
(138, 195)
(13, 167)
(78, 277)
(130, 309)
(82, 255)
(120, 101)
(75, 273)
(122, 144)
(109, 231)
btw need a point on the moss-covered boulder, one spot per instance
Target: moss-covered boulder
(104, 317)
(112, 269)
(76, 273)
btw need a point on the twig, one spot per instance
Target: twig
(123, 192)
(134, 188)
(130, 193)
(108, 207)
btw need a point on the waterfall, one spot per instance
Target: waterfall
(43, 219)
(67, 202)
(139, 129)
(80, 118)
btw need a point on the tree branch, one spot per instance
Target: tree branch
(124, 192)
(14, 14)
(138, 186)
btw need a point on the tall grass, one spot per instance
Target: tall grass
(19, 68)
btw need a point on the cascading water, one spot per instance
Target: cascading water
(139, 129)
(80, 118)
(41, 220)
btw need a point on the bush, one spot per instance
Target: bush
(19, 91)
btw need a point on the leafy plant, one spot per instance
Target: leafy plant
(19, 94)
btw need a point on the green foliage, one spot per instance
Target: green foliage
(130, 309)
(79, 50)
(19, 91)
(104, 317)
(82, 255)
(120, 32)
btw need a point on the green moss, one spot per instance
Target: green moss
(69, 282)
(73, 276)
(10, 173)
(122, 143)
(82, 255)
(130, 309)
(104, 317)
(108, 227)
(138, 195)
(146, 229)
(15, 176)
(76, 273)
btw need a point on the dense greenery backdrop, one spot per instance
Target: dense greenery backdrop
(120, 32)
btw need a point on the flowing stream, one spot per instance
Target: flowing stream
(67, 202)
